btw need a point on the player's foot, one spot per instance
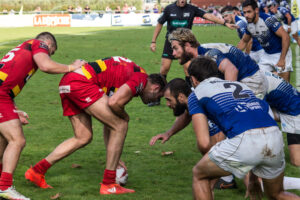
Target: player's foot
(221, 184)
(114, 189)
(11, 193)
(155, 103)
(36, 178)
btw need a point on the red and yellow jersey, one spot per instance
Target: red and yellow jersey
(111, 73)
(17, 66)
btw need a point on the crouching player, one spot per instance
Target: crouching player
(84, 93)
(246, 122)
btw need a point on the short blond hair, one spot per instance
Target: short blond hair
(183, 35)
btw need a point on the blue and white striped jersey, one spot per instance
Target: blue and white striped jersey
(232, 106)
(264, 31)
(242, 61)
(282, 95)
(280, 15)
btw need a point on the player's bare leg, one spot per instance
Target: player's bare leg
(274, 189)
(3, 144)
(294, 150)
(295, 36)
(14, 141)
(165, 66)
(204, 171)
(285, 76)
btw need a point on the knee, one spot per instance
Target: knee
(20, 142)
(196, 173)
(82, 141)
(122, 126)
(295, 161)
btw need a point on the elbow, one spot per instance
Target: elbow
(203, 148)
(44, 68)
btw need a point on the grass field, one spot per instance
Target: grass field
(150, 174)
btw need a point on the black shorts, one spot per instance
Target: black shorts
(168, 51)
(293, 138)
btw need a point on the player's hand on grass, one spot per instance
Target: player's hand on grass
(153, 47)
(163, 137)
(231, 26)
(23, 116)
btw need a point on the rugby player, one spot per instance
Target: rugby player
(16, 68)
(271, 36)
(178, 14)
(84, 94)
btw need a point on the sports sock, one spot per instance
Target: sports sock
(42, 166)
(291, 183)
(227, 178)
(6, 180)
(109, 177)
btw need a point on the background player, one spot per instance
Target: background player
(84, 93)
(16, 68)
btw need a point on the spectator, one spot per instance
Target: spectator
(70, 10)
(132, 9)
(239, 6)
(108, 9)
(38, 10)
(12, 12)
(125, 8)
(162, 9)
(118, 10)
(155, 8)
(204, 7)
(147, 10)
(78, 9)
(87, 9)
(4, 12)
(211, 8)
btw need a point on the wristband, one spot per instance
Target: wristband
(224, 23)
(70, 68)
(153, 42)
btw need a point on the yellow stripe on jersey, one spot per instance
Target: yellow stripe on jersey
(116, 90)
(16, 90)
(31, 72)
(143, 71)
(102, 65)
(3, 76)
(30, 41)
(86, 72)
(104, 89)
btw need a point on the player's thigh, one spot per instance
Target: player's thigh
(206, 168)
(101, 111)
(82, 125)
(273, 187)
(12, 130)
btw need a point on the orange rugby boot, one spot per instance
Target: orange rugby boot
(114, 189)
(36, 178)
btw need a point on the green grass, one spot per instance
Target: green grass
(150, 174)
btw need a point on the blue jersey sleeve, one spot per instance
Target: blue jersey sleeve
(272, 23)
(216, 55)
(242, 28)
(193, 106)
(213, 128)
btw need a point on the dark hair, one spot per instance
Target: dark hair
(177, 86)
(235, 8)
(47, 36)
(203, 67)
(251, 3)
(158, 79)
(226, 8)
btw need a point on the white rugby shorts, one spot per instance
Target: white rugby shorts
(294, 27)
(257, 83)
(290, 123)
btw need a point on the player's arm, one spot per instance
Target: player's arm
(180, 123)
(217, 20)
(155, 35)
(200, 126)
(47, 65)
(244, 41)
(285, 42)
(228, 69)
(118, 101)
(289, 21)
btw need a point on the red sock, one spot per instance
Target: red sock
(109, 177)
(1, 168)
(6, 180)
(42, 166)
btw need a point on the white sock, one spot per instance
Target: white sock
(227, 178)
(291, 183)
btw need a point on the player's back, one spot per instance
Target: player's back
(282, 95)
(17, 66)
(232, 106)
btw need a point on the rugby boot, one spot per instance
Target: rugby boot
(114, 189)
(36, 178)
(11, 193)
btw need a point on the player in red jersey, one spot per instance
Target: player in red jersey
(16, 68)
(100, 89)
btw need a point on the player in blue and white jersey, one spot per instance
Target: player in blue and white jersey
(286, 100)
(232, 62)
(284, 15)
(254, 49)
(271, 36)
(246, 122)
